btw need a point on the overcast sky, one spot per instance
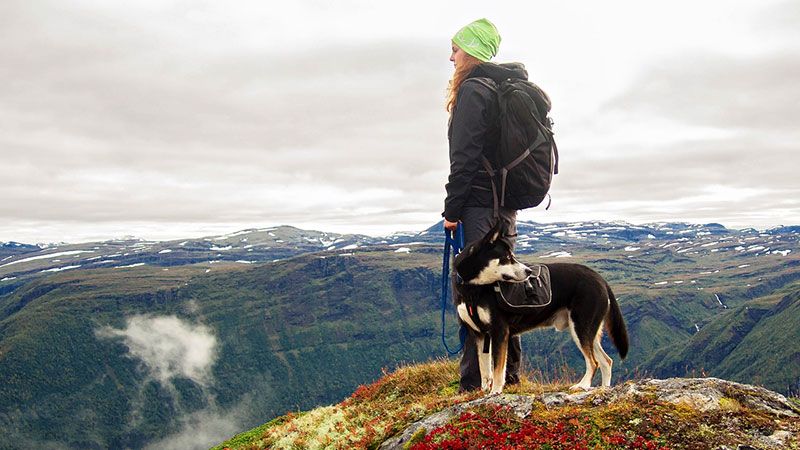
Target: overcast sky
(170, 119)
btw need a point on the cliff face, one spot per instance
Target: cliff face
(417, 407)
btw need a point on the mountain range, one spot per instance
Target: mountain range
(132, 343)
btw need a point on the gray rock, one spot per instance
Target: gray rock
(703, 394)
(563, 398)
(777, 439)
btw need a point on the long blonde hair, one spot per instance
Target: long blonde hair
(460, 74)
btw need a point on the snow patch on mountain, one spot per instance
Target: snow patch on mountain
(129, 265)
(60, 269)
(561, 254)
(49, 255)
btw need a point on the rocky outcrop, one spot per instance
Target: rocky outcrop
(520, 404)
(701, 394)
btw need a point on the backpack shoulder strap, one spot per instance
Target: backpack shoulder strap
(488, 82)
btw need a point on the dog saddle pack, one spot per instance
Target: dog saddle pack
(519, 297)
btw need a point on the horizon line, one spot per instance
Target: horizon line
(129, 237)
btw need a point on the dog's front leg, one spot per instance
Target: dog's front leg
(499, 352)
(484, 362)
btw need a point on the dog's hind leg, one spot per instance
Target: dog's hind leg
(605, 361)
(499, 358)
(587, 349)
(484, 362)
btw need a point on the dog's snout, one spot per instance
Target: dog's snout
(528, 271)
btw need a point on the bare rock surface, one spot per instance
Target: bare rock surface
(703, 394)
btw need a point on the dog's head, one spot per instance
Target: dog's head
(490, 259)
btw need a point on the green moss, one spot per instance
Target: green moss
(729, 404)
(450, 389)
(251, 436)
(418, 436)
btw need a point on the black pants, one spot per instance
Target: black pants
(477, 222)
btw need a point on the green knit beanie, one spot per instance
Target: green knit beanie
(479, 39)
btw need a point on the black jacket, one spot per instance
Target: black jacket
(473, 132)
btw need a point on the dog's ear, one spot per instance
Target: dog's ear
(495, 232)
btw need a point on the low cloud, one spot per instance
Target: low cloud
(203, 429)
(169, 347)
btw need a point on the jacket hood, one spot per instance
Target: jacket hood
(500, 72)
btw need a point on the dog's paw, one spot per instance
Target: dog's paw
(486, 384)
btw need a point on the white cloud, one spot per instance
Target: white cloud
(203, 429)
(169, 347)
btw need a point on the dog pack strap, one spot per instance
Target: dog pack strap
(538, 274)
(495, 202)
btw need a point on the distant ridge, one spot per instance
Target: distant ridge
(256, 245)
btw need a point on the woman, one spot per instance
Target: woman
(473, 133)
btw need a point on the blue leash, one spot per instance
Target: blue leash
(456, 242)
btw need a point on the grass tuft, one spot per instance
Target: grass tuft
(373, 413)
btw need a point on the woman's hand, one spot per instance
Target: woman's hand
(450, 225)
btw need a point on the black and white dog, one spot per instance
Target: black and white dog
(582, 302)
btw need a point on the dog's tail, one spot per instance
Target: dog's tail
(615, 325)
